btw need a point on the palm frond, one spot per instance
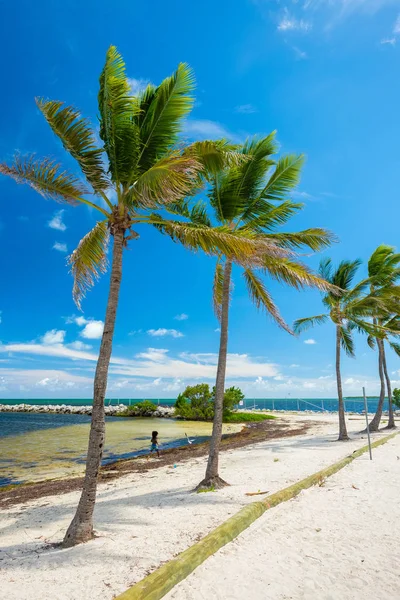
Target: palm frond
(46, 177)
(162, 112)
(217, 289)
(395, 347)
(326, 269)
(301, 325)
(262, 299)
(343, 276)
(295, 274)
(118, 129)
(78, 139)
(270, 216)
(198, 214)
(168, 180)
(244, 250)
(371, 342)
(346, 341)
(316, 239)
(215, 155)
(89, 260)
(285, 177)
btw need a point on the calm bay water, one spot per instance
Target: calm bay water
(34, 447)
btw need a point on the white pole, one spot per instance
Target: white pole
(366, 419)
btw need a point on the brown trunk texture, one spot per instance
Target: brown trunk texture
(342, 420)
(212, 478)
(391, 421)
(81, 527)
(374, 425)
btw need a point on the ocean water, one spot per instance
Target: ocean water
(34, 447)
(353, 404)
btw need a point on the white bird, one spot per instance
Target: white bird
(189, 440)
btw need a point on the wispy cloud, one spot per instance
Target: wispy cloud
(93, 330)
(299, 54)
(310, 341)
(56, 222)
(181, 317)
(289, 22)
(205, 129)
(395, 33)
(61, 247)
(246, 109)
(161, 332)
(137, 85)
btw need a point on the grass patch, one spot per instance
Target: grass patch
(246, 418)
(205, 491)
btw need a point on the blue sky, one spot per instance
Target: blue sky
(323, 73)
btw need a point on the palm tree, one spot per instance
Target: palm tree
(143, 166)
(349, 310)
(250, 197)
(383, 273)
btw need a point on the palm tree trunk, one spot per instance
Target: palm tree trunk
(342, 421)
(81, 527)
(391, 422)
(212, 478)
(374, 425)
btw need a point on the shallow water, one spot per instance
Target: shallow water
(55, 446)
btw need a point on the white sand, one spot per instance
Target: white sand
(339, 541)
(143, 520)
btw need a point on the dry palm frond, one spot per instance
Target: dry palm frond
(89, 260)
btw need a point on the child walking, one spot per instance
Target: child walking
(154, 443)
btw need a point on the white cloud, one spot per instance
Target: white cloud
(310, 341)
(56, 222)
(217, 330)
(396, 28)
(78, 345)
(246, 109)
(181, 317)
(53, 336)
(205, 129)
(81, 321)
(290, 23)
(1, 312)
(137, 85)
(300, 54)
(161, 332)
(294, 366)
(390, 41)
(60, 247)
(93, 330)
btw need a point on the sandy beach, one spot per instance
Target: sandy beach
(144, 519)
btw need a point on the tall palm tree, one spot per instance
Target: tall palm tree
(251, 197)
(142, 164)
(349, 310)
(383, 274)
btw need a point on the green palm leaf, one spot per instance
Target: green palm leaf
(301, 325)
(346, 341)
(162, 112)
(46, 177)
(395, 347)
(89, 260)
(295, 274)
(315, 238)
(118, 129)
(262, 299)
(168, 180)
(78, 139)
(270, 216)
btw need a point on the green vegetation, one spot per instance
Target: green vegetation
(241, 417)
(396, 397)
(196, 403)
(142, 409)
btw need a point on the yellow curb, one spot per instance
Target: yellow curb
(156, 585)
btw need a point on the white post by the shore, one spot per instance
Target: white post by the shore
(366, 419)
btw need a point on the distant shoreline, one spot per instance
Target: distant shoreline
(69, 409)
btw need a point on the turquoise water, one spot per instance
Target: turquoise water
(317, 404)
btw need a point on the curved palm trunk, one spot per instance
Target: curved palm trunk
(374, 425)
(81, 527)
(391, 422)
(212, 477)
(342, 421)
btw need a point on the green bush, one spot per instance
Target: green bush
(396, 397)
(197, 402)
(142, 409)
